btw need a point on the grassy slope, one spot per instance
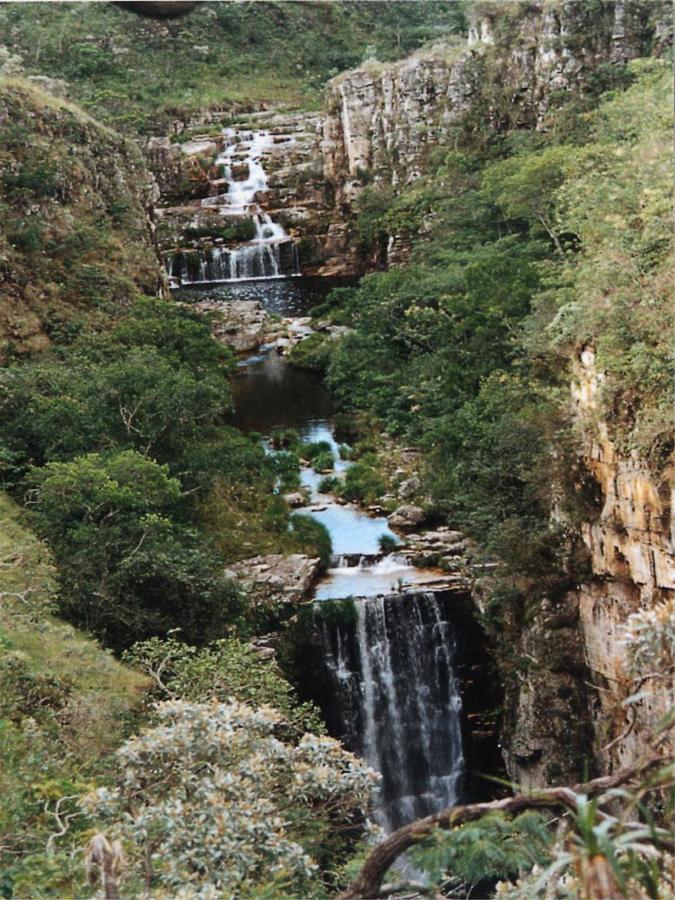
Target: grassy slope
(65, 705)
(138, 73)
(75, 236)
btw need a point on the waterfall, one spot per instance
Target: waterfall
(398, 704)
(271, 253)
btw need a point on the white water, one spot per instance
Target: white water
(398, 701)
(270, 253)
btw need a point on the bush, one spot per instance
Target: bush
(312, 353)
(362, 484)
(312, 537)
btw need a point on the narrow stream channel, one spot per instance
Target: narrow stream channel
(389, 658)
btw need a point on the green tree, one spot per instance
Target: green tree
(127, 569)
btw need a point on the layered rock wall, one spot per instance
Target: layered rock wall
(631, 552)
(383, 120)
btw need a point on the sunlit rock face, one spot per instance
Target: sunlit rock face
(631, 553)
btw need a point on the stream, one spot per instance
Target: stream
(387, 651)
(389, 661)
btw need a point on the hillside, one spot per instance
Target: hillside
(138, 74)
(77, 237)
(65, 705)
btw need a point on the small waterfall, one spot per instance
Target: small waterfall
(271, 253)
(391, 667)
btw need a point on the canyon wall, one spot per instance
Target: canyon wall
(383, 120)
(631, 551)
(567, 674)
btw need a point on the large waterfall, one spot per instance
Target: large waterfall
(397, 700)
(271, 253)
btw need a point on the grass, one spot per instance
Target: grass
(65, 706)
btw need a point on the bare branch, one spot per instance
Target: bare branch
(367, 884)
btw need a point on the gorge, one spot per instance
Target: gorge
(336, 450)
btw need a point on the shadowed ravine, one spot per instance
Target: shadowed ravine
(389, 663)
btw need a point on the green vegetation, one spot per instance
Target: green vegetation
(311, 353)
(537, 246)
(222, 670)
(139, 74)
(238, 231)
(76, 243)
(62, 697)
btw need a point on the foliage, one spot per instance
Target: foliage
(76, 242)
(211, 799)
(155, 382)
(522, 260)
(480, 852)
(238, 231)
(221, 671)
(311, 353)
(362, 483)
(127, 570)
(650, 639)
(312, 536)
(65, 704)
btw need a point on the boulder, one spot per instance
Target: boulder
(276, 577)
(407, 517)
(409, 488)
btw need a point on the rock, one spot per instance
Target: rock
(239, 324)
(277, 578)
(409, 488)
(297, 499)
(407, 517)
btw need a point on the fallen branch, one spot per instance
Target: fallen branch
(367, 884)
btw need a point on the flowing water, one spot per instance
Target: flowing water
(397, 700)
(389, 654)
(270, 253)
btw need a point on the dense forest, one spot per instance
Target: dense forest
(491, 375)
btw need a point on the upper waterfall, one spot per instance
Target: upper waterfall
(270, 253)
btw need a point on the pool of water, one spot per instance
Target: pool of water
(282, 296)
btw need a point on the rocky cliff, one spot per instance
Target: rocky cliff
(567, 668)
(78, 235)
(631, 552)
(382, 120)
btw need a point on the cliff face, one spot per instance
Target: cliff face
(568, 673)
(382, 120)
(78, 235)
(631, 550)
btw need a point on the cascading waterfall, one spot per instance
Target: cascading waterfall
(399, 707)
(271, 253)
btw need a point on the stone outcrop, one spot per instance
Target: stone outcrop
(77, 198)
(276, 578)
(178, 174)
(570, 677)
(383, 119)
(241, 325)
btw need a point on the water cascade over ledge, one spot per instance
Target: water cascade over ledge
(390, 661)
(271, 253)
